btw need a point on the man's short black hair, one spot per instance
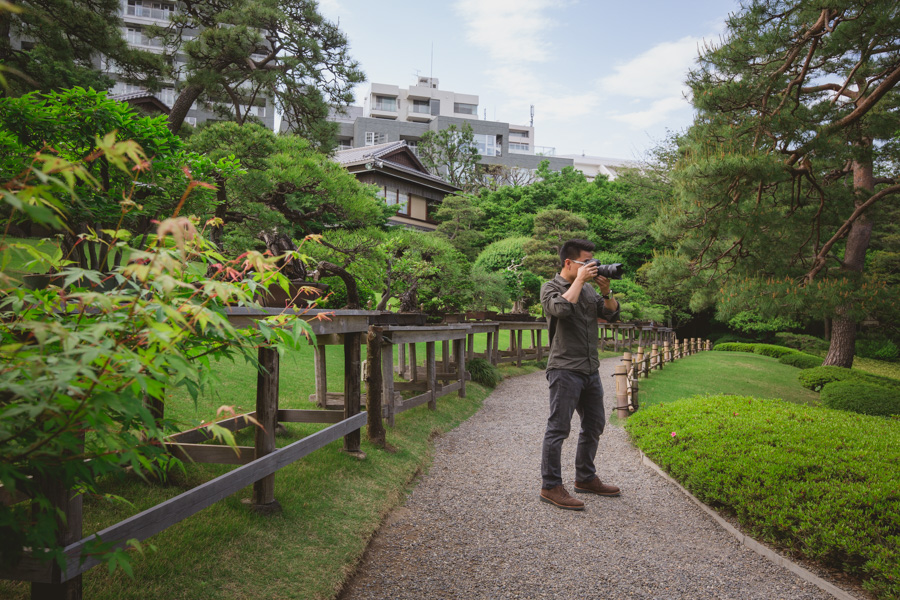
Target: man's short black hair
(573, 249)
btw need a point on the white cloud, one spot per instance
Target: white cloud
(659, 112)
(509, 30)
(658, 72)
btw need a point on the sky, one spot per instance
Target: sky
(605, 78)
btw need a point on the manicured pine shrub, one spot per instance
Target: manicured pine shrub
(816, 378)
(801, 360)
(483, 372)
(861, 397)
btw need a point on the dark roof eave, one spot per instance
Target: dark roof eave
(447, 188)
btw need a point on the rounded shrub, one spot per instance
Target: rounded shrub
(879, 349)
(772, 350)
(861, 397)
(734, 347)
(483, 372)
(818, 377)
(801, 360)
(799, 341)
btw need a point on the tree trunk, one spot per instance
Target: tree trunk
(349, 281)
(409, 300)
(843, 328)
(182, 105)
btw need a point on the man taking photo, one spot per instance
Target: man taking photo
(572, 307)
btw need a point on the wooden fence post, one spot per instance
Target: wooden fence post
(401, 351)
(374, 382)
(413, 367)
(460, 367)
(352, 388)
(321, 376)
(654, 356)
(621, 391)
(263, 499)
(431, 374)
(65, 501)
(667, 352)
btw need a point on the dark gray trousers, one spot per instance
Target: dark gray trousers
(571, 391)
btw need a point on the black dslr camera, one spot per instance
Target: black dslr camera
(613, 271)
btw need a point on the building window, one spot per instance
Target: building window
(402, 203)
(435, 107)
(487, 144)
(413, 146)
(136, 37)
(192, 121)
(386, 103)
(519, 146)
(151, 10)
(421, 106)
(523, 134)
(375, 137)
(465, 109)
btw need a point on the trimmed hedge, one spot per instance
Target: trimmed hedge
(861, 397)
(819, 483)
(763, 349)
(804, 343)
(772, 350)
(801, 360)
(734, 347)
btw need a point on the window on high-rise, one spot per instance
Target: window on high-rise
(149, 9)
(462, 108)
(386, 103)
(375, 137)
(421, 106)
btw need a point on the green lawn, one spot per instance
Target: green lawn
(739, 373)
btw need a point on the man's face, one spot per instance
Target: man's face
(572, 266)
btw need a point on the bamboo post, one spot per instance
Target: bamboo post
(638, 362)
(654, 356)
(634, 389)
(667, 352)
(374, 383)
(621, 376)
(263, 499)
(352, 388)
(626, 360)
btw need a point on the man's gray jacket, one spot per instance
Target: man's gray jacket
(574, 331)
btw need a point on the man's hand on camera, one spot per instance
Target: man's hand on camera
(603, 283)
(587, 273)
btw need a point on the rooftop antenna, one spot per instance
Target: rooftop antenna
(532, 116)
(431, 76)
(485, 114)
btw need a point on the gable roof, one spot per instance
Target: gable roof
(142, 99)
(380, 156)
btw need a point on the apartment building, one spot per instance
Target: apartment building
(391, 113)
(593, 166)
(140, 14)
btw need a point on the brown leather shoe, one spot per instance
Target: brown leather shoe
(560, 498)
(595, 486)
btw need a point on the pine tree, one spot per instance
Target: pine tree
(787, 155)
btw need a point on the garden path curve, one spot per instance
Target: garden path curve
(473, 526)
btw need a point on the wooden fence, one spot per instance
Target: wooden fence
(641, 364)
(342, 411)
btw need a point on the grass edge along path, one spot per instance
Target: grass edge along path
(332, 506)
(814, 482)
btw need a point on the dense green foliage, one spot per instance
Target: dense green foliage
(483, 372)
(819, 483)
(817, 378)
(861, 397)
(801, 360)
(80, 358)
(799, 341)
(451, 153)
(734, 347)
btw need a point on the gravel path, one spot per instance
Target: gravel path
(473, 527)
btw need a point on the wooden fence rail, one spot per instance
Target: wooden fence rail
(257, 464)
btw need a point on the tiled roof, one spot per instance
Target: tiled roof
(359, 156)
